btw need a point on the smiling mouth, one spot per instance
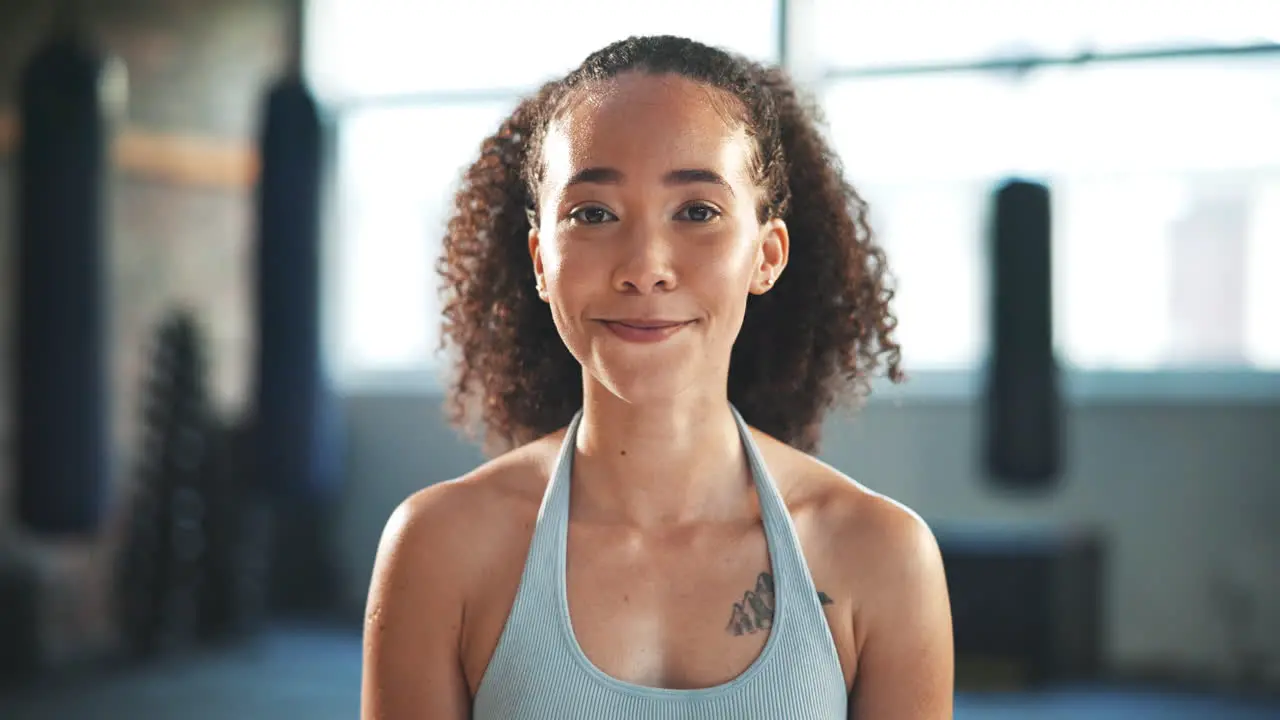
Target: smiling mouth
(645, 331)
(648, 324)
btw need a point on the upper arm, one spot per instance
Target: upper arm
(413, 623)
(906, 662)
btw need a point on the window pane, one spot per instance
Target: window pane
(864, 33)
(928, 128)
(398, 168)
(381, 47)
(1262, 304)
(926, 183)
(1161, 270)
(1164, 207)
(931, 233)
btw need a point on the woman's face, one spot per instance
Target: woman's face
(648, 240)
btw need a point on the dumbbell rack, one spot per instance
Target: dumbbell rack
(162, 573)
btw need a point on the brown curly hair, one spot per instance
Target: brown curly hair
(815, 339)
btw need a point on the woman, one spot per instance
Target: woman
(657, 284)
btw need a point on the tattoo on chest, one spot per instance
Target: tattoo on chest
(755, 612)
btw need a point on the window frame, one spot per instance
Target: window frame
(1080, 386)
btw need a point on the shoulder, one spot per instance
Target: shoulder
(431, 561)
(849, 513)
(504, 483)
(886, 559)
(445, 532)
(888, 537)
(878, 544)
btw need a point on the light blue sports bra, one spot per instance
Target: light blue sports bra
(539, 672)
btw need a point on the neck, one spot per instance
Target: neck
(649, 465)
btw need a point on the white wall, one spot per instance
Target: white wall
(1186, 493)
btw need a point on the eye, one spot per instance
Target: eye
(591, 215)
(700, 213)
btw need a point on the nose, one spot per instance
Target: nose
(646, 266)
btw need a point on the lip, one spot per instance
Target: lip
(645, 330)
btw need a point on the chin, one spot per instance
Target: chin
(648, 374)
(650, 385)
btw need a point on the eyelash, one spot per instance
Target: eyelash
(576, 215)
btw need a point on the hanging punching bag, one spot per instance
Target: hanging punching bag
(295, 404)
(62, 403)
(297, 410)
(1023, 402)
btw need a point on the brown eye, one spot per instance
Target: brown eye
(591, 215)
(700, 213)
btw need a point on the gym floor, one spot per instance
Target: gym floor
(315, 674)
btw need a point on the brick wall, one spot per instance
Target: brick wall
(180, 229)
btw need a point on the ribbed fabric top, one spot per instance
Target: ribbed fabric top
(539, 672)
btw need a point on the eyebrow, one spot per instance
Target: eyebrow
(613, 176)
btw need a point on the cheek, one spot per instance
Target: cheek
(568, 272)
(554, 261)
(730, 267)
(574, 279)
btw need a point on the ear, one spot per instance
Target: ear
(535, 255)
(771, 258)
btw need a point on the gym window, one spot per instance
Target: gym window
(1152, 128)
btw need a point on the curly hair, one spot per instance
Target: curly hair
(813, 341)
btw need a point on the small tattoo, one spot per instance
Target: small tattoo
(755, 612)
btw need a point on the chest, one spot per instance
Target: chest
(686, 609)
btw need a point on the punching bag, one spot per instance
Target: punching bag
(1023, 404)
(297, 432)
(62, 403)
(294, 402)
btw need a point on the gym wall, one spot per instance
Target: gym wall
(180, 227)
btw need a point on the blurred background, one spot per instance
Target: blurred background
(218, 322)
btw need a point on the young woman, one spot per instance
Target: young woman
(657, 284)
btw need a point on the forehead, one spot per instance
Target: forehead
(649, 122)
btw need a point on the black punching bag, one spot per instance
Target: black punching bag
(296, 408)
(62, 403)
(1023, 403)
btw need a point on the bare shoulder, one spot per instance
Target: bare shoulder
(431, 558)
(453, 525)
(884, 533)
(437, 542)
(848, 512)
(885, 557)
(866, 538)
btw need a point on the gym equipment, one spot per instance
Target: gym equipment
(61, 416)
(163, 564)
(1027, 605)
(1023, 402)
(297, 436)
(21, 647)
(237, 564)
(291, 387)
